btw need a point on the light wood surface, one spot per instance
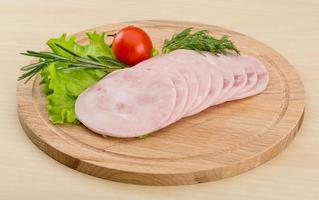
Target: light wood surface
(222, 141)
(289, 26)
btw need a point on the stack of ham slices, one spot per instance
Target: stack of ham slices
(159, 91)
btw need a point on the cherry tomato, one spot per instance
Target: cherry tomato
(132, 45)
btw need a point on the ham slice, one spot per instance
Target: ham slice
(130, 103)
(159, 91)
(179, 81)
(234, 64)
(176, 61)
(181, 88)
(196, 65)
(216, 88)
(262, 78)
(227, 74)
(251, 71)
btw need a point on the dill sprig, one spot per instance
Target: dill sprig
(199, 41)
(104, 63)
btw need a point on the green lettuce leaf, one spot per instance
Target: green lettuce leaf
(96, 46)
(62, 87)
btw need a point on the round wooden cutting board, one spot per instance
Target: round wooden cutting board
(219, 142)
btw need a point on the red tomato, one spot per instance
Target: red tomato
(132, 45)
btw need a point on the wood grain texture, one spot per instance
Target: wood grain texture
(288, 26)
(222, 141)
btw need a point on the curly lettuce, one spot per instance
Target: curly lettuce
(62, 87)
(96, 47)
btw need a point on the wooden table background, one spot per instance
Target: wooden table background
(289, 26)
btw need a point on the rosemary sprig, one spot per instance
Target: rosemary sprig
(104, 63)
(199, 41)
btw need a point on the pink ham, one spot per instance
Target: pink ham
(216, 88)
(193, 61)
(159, 91)
(192, 85)
(130, 103)
(179, 81)
(240, 75)
(262, 78)
(250, 67)
(227, 74)
(181, 88)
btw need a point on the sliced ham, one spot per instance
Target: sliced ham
(262, 78)
(240, 76)
(159, 91)
(251, 71)
(181, 88)
(227, 74)
(216, 88)
(191, 59)
(178, 79)
(130, 103)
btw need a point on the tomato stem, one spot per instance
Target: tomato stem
(111, 35)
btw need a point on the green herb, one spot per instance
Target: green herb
(155, 52)
(143, 136)
(76, 62)
(199, 41)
